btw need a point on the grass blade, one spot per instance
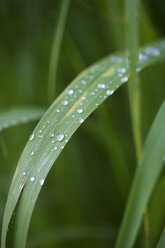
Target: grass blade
(18, 115)
(62, 119)
(161, 243)
(148, 171)
(56, 49)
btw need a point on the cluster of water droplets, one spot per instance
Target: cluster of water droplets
(79, 97)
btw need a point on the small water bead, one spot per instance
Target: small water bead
(83, 98)
(24, 173)
(121, 69)
(120, 74)
(153, 50)
(70, 92)
(142, 57)
(81, 103)
(73, 116)
(5, 124)
(53, 141)
(65, 102)
(32, 153)
(79, 111)
(32, 179)
(92, 93)
(52, 135)
(48, 121)
(41, 136)
(81, 120)
(13, 122)
(124, 79)
(83, 81)
(80, 91)
(62, 147)
(101, 86)
(115, 58)
(110, 92)
(24, 119)
(59, 137)
(31, 137)
(42, 181)
(57, 110)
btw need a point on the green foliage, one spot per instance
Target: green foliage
(84, 196)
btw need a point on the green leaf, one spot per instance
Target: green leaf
(62, 119)
(161, 243)
(18, 115)
(147, 173)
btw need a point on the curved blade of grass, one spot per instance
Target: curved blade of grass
(58, 124)
(161, 243)
(18, 115)
(148, 171)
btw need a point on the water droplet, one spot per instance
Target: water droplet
(52, 141)
(13, 122)
(5, 124)
(92, 93)
(57, 110)
(31, 137)
(81, 120)
(138, 69)
(48, 122)
(70, 92)
(83, 82)
(59, 137)
(83, 98)
(124, 79)
(142, 57)
(62, 147)
(52, 135)
(24, 119)
(153, 50)
(65, 102)
(55, 148)
(80, 91)
(24, 173)
(109, 92)
(101, 86)
(32, 153)
(73, 116)
(79, 111)
(32, 179)
(41, 136)
(121, 69)
(42, 182)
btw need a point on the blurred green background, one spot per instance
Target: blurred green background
(83, 199)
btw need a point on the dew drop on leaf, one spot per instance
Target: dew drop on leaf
(42, 182)
(59, 137)
(101, 86)
(65, 102)
(70, 92)
(32, 179)
(109, 92)
(31, 137)
(79, 111)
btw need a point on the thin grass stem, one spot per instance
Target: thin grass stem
(54, 59)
